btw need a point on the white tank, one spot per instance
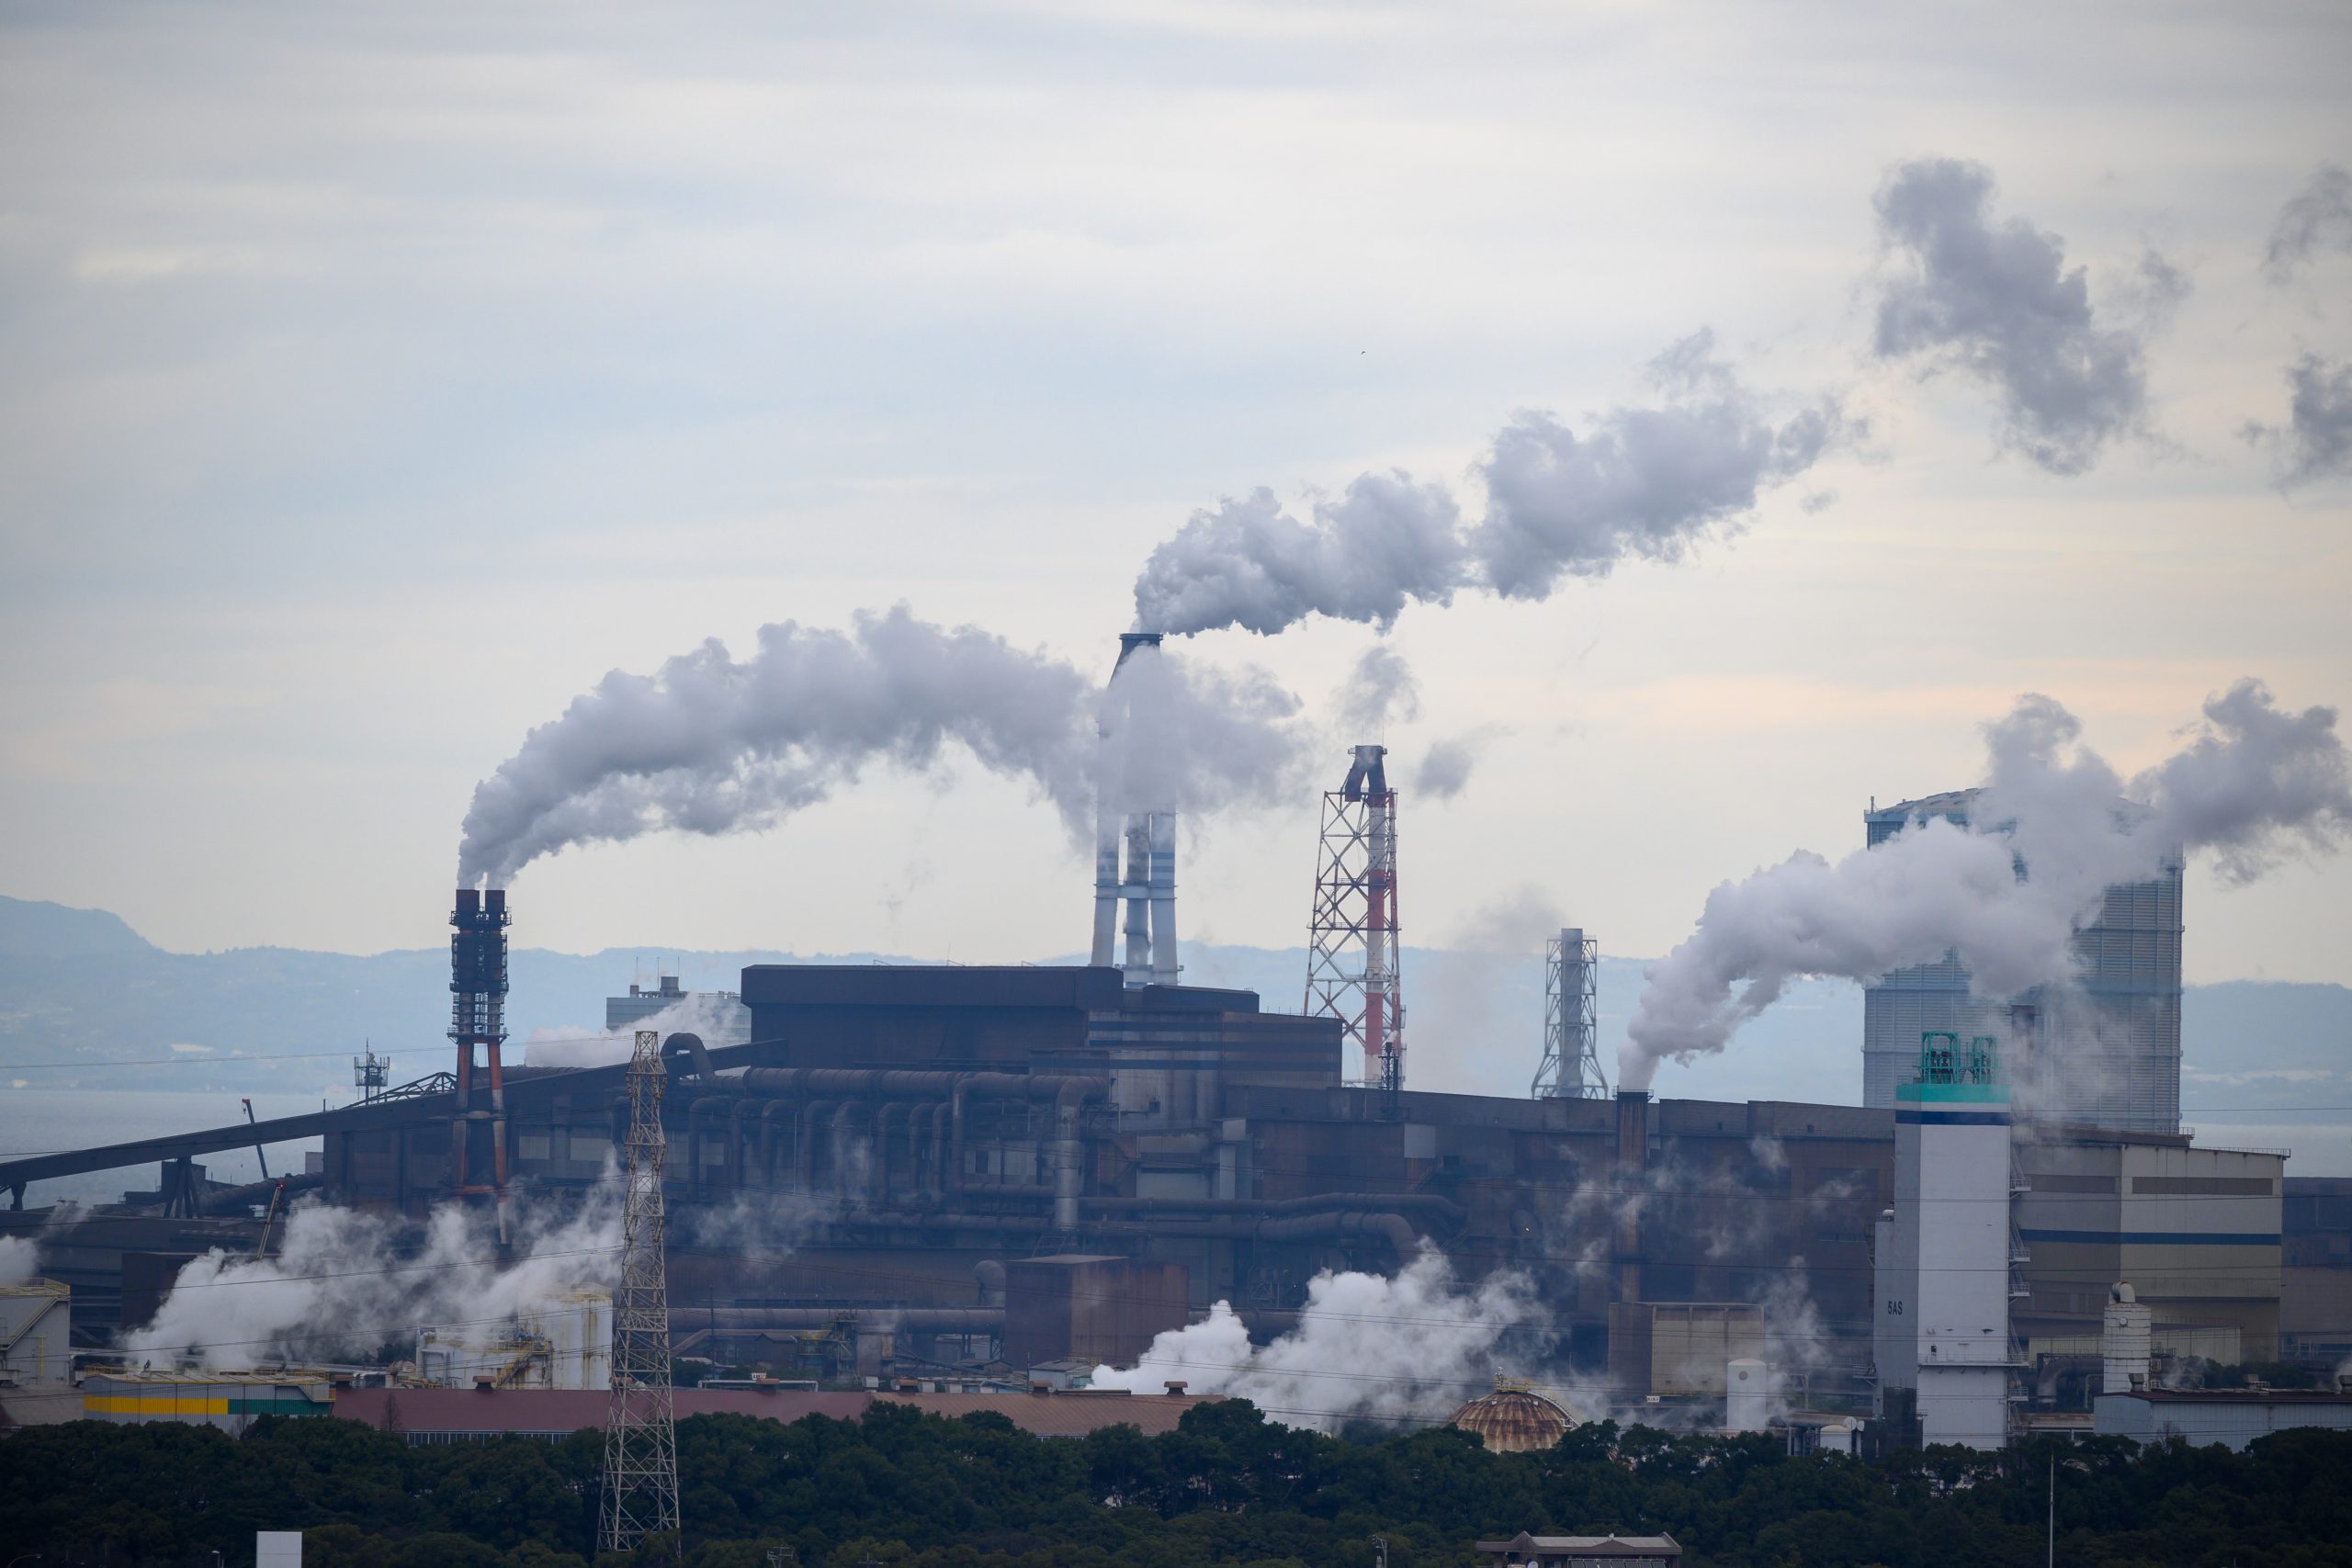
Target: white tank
(1747, 1394)
(2125, 1331)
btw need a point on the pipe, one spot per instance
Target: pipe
(804, 1145)
(879, 1320)
(1106, 891)
(1429, 1206)
(1395, 1229)
(767, 1140)
(1137, 887)
(1162, 879)
(880, 1185)
(836, 1141)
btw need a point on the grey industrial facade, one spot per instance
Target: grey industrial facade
(2107, 1057)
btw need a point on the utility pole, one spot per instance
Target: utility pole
(640, 1430)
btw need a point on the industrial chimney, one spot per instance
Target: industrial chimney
(1147, 884)
(477, 1023)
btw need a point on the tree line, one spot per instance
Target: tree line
(902, 1489)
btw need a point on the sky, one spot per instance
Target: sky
(379, 379)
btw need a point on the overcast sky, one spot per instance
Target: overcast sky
(376, 378)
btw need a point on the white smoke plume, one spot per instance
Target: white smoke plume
(1997, 301)
(19, 1259)
(1379, 686)
(346, 1282)
(1409, 1349)
(2253, 785)
(1645, 481)
(712, 744)
(572, 1045)
(1445, 767)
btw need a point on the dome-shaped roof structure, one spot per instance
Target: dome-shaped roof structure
(1513, 1420)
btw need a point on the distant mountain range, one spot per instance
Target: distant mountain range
(87, 1002)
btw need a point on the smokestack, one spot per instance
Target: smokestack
(1632, 1180)
(1134, 862)
(477, 1023)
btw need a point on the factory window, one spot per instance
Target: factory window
(2205, 1186)
(2052, 1183)
(532, 1145)
(589, 1143)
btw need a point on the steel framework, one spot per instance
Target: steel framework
(1353, 968)
(1571, 1068)
(641, 1432)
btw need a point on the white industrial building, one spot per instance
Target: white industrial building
(565, 1342)
(2230, 1416)
(1946, 1250)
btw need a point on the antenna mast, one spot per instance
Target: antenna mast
(641, 1432)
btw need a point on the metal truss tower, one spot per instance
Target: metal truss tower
(640, 1431)
(1352, 969)
(1571, 1068)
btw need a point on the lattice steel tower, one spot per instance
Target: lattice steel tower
(1352, 970)
(640, 1431)
(1571, 1068)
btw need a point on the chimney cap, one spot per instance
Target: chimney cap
(1175, 1389)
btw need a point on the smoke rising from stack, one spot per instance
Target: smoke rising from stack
(1411, 1348)
(20, 1258)
(2253, 785)
(1644, 482)
(711, 744)
(343, 1285)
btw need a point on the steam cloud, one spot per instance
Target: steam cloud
(706, 1016)
(343, 1285)
(1997, 302)
(1645, 481)
(2317, 442)
(20, 1258)
(2255, 785)
(710, 744)
(1445, 767)
(1408, 1349)
(2318, 218)
(1381, 683)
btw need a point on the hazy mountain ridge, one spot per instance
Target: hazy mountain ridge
(81, 988)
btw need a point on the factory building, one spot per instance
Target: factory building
(2232, 1417)
(2110, 1058)
(721, 1016)
(565, 1342)
(36, 1332)
(231, 1400)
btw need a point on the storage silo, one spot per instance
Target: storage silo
(2111, 1060)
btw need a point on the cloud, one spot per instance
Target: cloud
(2319, 217)
(2316, 443)
(1997, 302)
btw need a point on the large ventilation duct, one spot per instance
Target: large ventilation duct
(1134, 863)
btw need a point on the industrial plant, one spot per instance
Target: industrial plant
(975, 1183)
